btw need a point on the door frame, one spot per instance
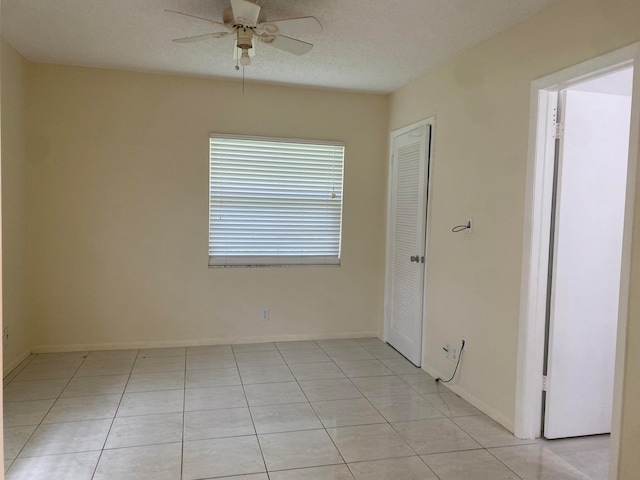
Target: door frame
(427, 122)
(537, 222)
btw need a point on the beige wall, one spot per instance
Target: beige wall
(629, 460)
(2, 55)
(119, 198)
(14, 206)
(481, 104)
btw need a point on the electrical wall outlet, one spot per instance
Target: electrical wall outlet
(265, 314)
(5, 335)
(469, 230)
(451, 352)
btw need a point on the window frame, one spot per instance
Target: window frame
(277, 260)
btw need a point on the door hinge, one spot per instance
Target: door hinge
(559, 131)
(545, 384)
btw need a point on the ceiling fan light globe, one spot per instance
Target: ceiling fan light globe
(245, 60)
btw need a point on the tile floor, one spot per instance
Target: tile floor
(324, 410)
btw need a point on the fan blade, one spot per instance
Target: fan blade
(245, 10)
(297, 26)
(197, 38)
(195, 16)
(291, 45)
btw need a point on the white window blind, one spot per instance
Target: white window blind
(274, 201)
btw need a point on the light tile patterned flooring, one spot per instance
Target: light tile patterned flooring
(323, 410)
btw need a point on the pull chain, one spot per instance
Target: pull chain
(238, 68)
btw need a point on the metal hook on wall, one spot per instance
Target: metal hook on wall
(467, 227)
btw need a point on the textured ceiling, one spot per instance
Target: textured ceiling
(366, 45)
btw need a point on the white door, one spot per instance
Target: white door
(586, 268)
(406, 235)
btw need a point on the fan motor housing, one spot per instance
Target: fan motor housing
(245, 36)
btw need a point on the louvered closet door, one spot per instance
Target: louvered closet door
(407, 234)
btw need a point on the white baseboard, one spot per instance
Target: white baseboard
(7, 368)
(188, 343)
(473, 400)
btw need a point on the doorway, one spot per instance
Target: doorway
(587, 224)
(538, 247)
(406, 239)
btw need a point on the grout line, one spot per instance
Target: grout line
(115, 414)
(253, 424)
(501, 462)
(320, 420)
(296, 469)
(20, 367)
(138, 446)
(52, 405)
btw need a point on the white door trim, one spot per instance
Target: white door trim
(431, 121)
(539, 182)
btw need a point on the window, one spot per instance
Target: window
(274, 201)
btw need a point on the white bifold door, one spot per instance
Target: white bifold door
(586, 268)
(406, 237)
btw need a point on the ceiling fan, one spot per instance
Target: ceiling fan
(246, 20)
